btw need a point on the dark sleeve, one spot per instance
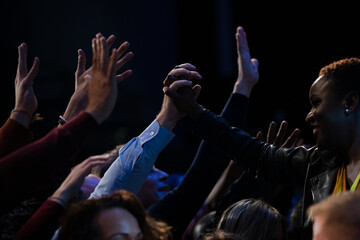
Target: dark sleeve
(13, 136)
(179, 206)
(33, 164)
(277, 164)
(44, 222)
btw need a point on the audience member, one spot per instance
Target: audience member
(15, 132)
(119, 215)
(221, 235)
(253, 219)
(334, 97)
(337, 217)
(46, 219)
(28, 167)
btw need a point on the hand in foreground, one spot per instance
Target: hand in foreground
(69, 189)
(25, 99)
(102, 92)
(277, 139)
(169, 113)
(248, 74)
(79, 99)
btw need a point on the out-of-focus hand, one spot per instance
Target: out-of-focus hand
(102, 92)
(25, 99)
(170, 114)
(70, 187)
(248, 74)
(277, 139)
(79, 99)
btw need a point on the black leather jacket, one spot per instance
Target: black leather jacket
(314, 168)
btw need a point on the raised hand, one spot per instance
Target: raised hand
(169, 113)
(277, 139)
(25, 99)
(70, 187)
(102, 92)
(248, 74)
(79, 99)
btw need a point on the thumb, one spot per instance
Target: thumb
(255, 63)
(196, 89)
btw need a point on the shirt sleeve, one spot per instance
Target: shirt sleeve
(135, 161)
(43, 223)
(24, 170)
(13, 136)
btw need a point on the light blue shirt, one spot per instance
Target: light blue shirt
(135, 161)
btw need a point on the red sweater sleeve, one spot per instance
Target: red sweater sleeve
(43, 223)
(34, 163)
(13, 136)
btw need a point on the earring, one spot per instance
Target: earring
(347, 110)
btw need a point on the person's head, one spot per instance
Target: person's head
(221, 235)
(253, 219)
(337, 217)
(334, 98)
(154, 188)
(117, 216)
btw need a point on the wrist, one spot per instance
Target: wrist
(59, 199)
(97, 115)
(21, 116)
(166, 121)
(195, 111)
(242, 88)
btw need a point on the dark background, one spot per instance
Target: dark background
(292, 41)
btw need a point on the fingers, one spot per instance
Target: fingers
(271, 133)
(260, 136)
(293, 140)
(22, 60)
(86, 165)
(242, 44)
(81, 63)
(281, 133)
(182, 73)
(180, 83)
(111, 68)
(170, 92)
(103, 52)
(187, 66)
(121, 77)
(110, 40)
(95, 52)
(124, 60)
(33, 71)
(123, 48)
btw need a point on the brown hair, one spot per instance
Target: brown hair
(251, 219)
(79, 222)
(343, 74)
(343, 209)
(221, 235)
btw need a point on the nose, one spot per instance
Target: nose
(310, 116)
(162, 176)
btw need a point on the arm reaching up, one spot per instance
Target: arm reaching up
(79, 99)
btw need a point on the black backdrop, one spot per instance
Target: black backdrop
(292, 41)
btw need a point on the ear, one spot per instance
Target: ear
(351, 101)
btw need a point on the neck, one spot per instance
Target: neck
(353, 166)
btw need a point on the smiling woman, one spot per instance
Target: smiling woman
(117, 216)
(330, 167)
